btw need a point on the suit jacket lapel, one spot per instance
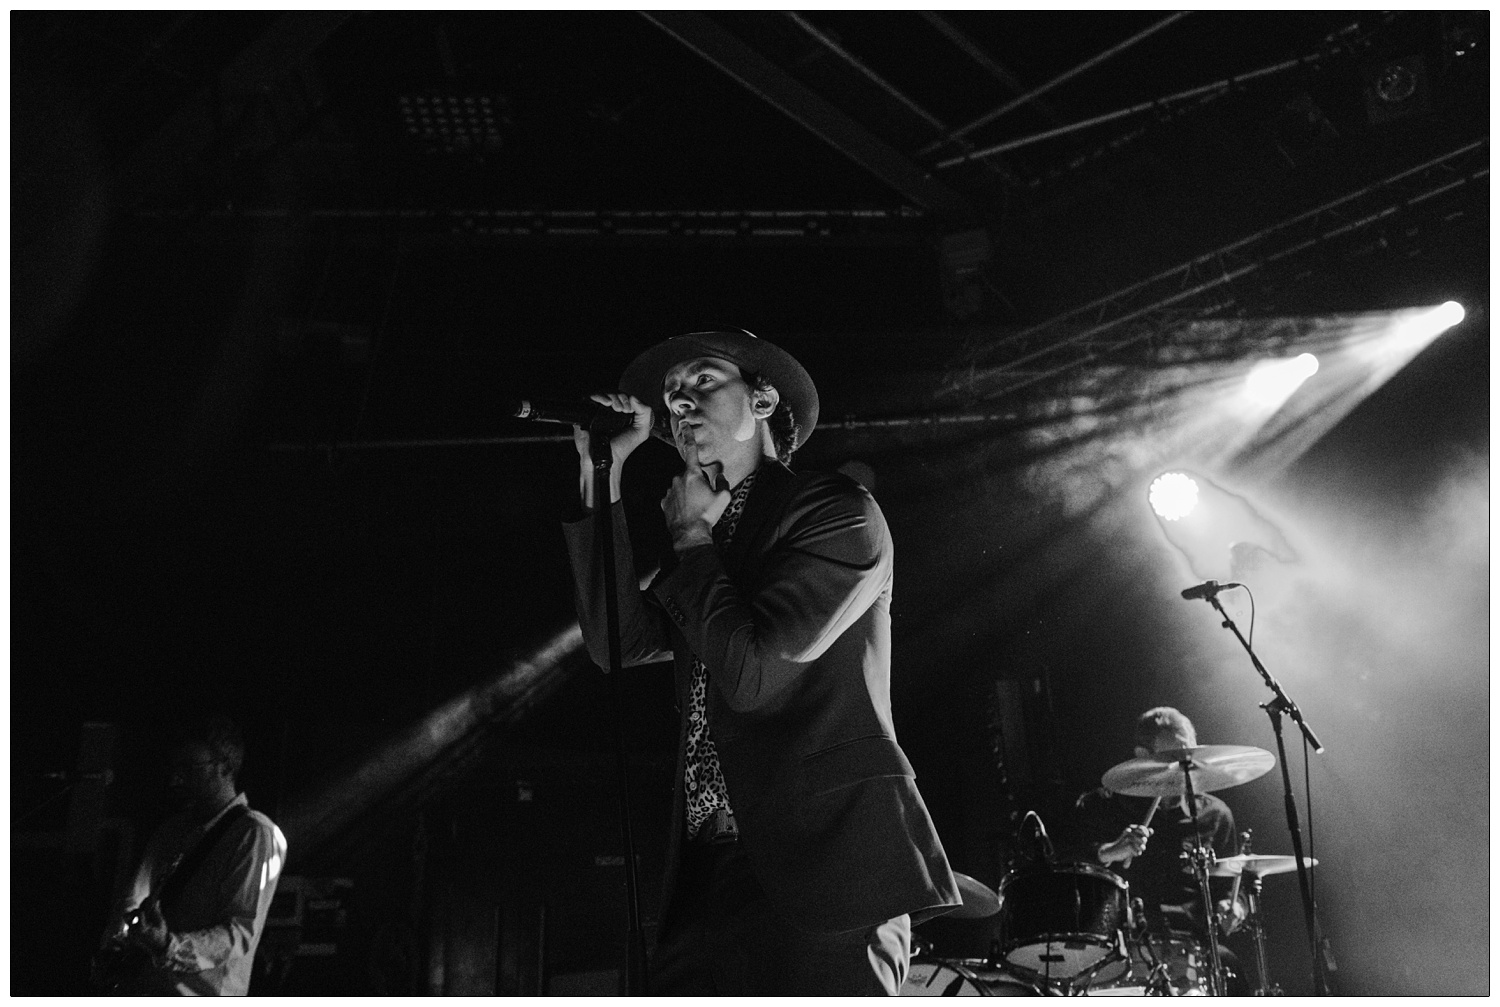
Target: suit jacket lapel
(774, 483)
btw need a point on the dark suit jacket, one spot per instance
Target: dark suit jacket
(793, 625)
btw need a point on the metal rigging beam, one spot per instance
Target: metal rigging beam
(777, 87)
(1086, 328)
(193, 128)
(1036, 92)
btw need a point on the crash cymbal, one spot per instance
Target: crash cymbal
(1256, 863)
(979, 901)
(1213, 767)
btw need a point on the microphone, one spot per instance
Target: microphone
(1207, 589)
(580, 411)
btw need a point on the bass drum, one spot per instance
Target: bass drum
(962, 977)
(1058, 921)
(1185, 972)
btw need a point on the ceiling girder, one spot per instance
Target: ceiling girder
(168, 154)
(779, 88)
(1086, 328)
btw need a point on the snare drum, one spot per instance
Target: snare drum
(1059, 921)
(962, 977)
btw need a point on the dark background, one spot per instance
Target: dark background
(262, 323)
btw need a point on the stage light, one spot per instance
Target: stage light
(1272, 382)
(1412, 331)
(1173, 496)
(454, 123)
(1447, 315)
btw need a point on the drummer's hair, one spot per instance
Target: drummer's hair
(1160, 719)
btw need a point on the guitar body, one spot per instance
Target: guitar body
(119, 969)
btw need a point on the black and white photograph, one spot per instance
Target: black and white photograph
(749, 503)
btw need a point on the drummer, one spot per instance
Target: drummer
(1149, 857)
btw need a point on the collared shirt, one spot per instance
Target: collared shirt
(216, 919)
(702, 777)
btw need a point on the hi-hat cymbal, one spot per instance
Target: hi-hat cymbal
(979, 901)
(1256, 863)
(1213, 767)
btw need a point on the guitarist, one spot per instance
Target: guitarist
(190, 922)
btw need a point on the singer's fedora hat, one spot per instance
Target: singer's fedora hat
(644, 376)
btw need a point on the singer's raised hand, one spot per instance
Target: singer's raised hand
(621, 444)
(694, 504)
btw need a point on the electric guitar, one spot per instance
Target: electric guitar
(119, 967)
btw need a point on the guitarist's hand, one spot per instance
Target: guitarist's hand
(151, 930)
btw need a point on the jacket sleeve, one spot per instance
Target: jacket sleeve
(644, 636)
(828, 567)
(247, 887)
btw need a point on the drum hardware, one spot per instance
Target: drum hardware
(1185, 773)
(1107, 969)
(1200, 857)
(963, 977)
(1159, 966)
(1258, 865)
(1264, 986)
(1255, 867)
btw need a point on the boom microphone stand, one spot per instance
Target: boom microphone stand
(603, 458)
(1274, 709)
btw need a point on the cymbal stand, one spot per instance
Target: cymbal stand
(1201, 857)
(1263, 987)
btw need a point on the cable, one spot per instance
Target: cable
(1250, 641)
(1312, 848)
(1041, 830)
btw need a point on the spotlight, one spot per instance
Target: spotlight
(1173, 496)
(1272, 382)
(1419, 328)
(1396, 82)
(1397, 89)
(1447, 315)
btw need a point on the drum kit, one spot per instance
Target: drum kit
(1071, 929)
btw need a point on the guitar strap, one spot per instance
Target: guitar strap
(183, 870)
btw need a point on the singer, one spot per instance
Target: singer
(800, 849)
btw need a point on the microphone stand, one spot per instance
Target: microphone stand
(1274, 709)
(603, 458)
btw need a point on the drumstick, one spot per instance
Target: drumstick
(1150, 814)
(1234, 893)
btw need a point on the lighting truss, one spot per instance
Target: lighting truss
(1131, 315)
